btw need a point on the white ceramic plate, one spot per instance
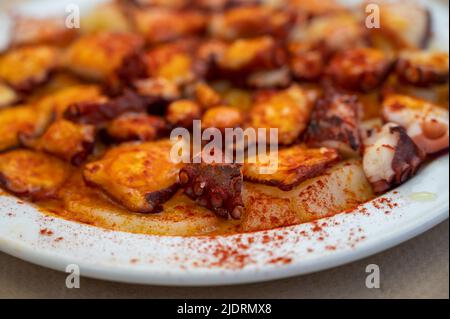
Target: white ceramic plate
(244, 258)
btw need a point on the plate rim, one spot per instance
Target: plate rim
(206, 278)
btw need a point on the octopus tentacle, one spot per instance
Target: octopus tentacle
(422, 69)
(362, 69)
(335, 124)
(390, 157)
(216, 186)
(426, 123)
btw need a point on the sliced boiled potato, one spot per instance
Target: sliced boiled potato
(181, 216)
(340, 188)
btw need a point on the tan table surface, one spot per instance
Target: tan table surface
(418, 268)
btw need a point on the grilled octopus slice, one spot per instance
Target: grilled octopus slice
(19, 119)
(99, 112)
(41, 60)
(136, 127)
(174, 62)
(306, 60)
(257, 63)
(141, 177)
(294, 165)
(315, 8)
(206, 96)
(222, 117)
(32, 174)
(96, 56)
(426, 123)
(57, 102)
(64, 139)
(332, 33)
(250, 21)
(216, 186)
(183, 113)
(361, 69)
(171, 4)
(266, 79)
(423, 69)
(160, 71)
(158, 89)
(159, 25)
(287, 110)
(335, 124)
(222, 5)
(250, 55)
(390, 157)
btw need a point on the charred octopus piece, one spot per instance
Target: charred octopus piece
(426, 123)
(207, 54)
(32, 174)
(141, 177)
(23, 77)
(133, 68)
(251, 55)
(306, 61)
(267, 79)
(294, 165)
(335, 124)
(362, 69)
(57, 102)
(287, 110)
(332, 33)
(216, 186)
(422, 69)
(17, 120)
(221, 5)
(136, 127)
(206, 96)
(222, 117)
(390, 157)
(158, 89)
(158, 25)
(98, 112)
(97, 56)
(250, 21)
(173, 62)
(316, 8)
(183, 113)
(64, 139)
(170, 4)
